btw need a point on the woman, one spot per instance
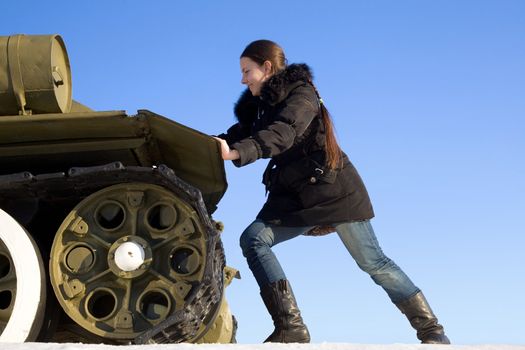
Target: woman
(312, 189)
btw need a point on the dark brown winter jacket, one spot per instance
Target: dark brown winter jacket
(285, 124)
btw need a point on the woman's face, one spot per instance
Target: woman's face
(254, 74)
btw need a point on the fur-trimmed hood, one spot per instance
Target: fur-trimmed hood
(277, 88)
(273, 91)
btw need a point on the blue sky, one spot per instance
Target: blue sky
(428, 98)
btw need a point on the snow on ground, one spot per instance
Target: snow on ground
(321, 346)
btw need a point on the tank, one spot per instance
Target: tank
(105, 218)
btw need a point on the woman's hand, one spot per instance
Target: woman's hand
(226, 151)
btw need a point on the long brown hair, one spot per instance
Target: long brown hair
(334, 155)
(266, 50)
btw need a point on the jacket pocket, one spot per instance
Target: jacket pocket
(305, 172)
(321, 193)
(293, 177)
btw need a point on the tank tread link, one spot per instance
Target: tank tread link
(202, 303)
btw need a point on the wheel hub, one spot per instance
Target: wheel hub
(129, 257)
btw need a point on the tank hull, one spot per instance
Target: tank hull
(51, 163)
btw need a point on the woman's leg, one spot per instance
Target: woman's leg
(256, 242)
(276, 292)
(361, 242)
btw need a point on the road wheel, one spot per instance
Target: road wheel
(22, 283)
(126, 258)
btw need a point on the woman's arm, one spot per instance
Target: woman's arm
(292, 119)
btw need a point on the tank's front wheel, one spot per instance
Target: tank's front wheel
(126, 258)
(22, 283)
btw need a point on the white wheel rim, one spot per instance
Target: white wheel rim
(25, 320)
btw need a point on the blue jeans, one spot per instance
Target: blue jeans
(358, 238)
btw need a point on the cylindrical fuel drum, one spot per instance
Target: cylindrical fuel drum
(35, 76)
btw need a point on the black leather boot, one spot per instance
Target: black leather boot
(280, 302)
(423, 320)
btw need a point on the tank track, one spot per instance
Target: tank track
(202, 304)
(182, 327)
